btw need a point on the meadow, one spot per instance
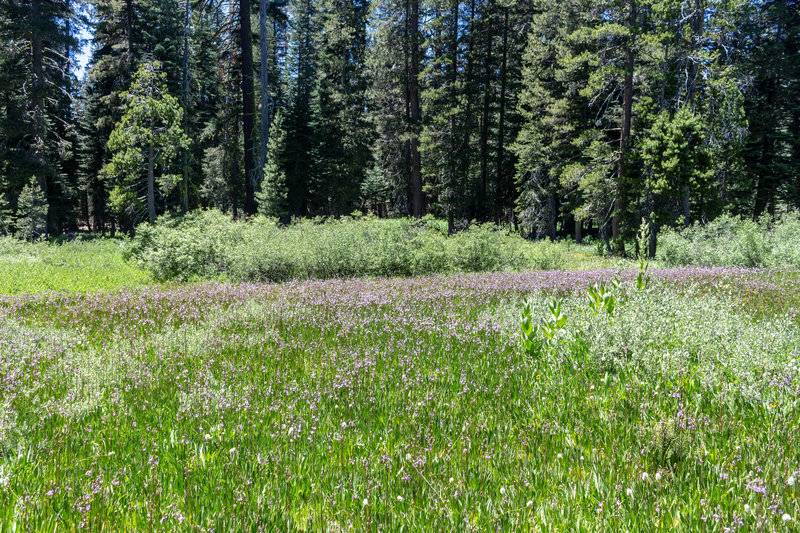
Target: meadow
(406, 404)
(81, 266)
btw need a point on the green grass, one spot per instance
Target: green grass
(403, 404)
(81, 266)
(99, 263)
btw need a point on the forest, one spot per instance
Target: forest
(572, 118)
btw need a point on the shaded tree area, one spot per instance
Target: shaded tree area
(571, 118)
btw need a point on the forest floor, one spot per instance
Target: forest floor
(401, 403)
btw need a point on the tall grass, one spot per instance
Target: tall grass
(80, 265)
(400, 404)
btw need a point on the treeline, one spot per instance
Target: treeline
(581, 116)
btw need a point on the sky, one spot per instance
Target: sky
(82, 57)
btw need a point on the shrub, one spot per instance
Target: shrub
(733, 241)
(208, 244)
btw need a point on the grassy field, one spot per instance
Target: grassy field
(71, 266)
(98, 264)
(404, 404)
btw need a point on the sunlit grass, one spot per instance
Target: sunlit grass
(71, 266)
(404, 403)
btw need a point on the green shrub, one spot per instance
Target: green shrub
(208, 244)
(733, 241)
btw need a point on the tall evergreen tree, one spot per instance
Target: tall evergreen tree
(149, 134)
(342, 131)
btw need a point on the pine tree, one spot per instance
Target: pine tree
(342, 132)
(440, 139)
(389, 101)
(36, 87)
(148, 134)
(273, 196)
(31, 211)
(6, 216)
(248, 106)
(675, 160)
(299, 131)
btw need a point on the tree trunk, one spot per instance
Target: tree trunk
(84, 208)
(502, 120)
(651, 248)
(38, 95)
(625, 132)
(484, 139)
(552, 209)
(466, 153)
(264, 72)
(578, 230)
(248, 106)
(452, 161)
(418, 207)
(151, 193)
(129, 32)
(691, 86)
(685, 205)
(697, 35)
(185, 103)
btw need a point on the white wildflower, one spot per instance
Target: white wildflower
(529, 504)
(629, 492)
(786, 518)
(645, 476)
(365, 502)
(399, 498)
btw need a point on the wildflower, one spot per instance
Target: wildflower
(451, 480)
(791, 481)
(408, 457)
(502, 490)
(786, 518)
(365, 502)
(529, 504)
(629, 492)
(560, 456)
(658, 476)
(399, 498)
(747, 508)
(645, 476)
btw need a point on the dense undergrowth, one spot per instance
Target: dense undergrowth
(733, 241)
(209, 245)
(404, 404)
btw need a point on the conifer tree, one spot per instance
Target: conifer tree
(149, 134)
(342, 132)
(272, 198)
(31, 211)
